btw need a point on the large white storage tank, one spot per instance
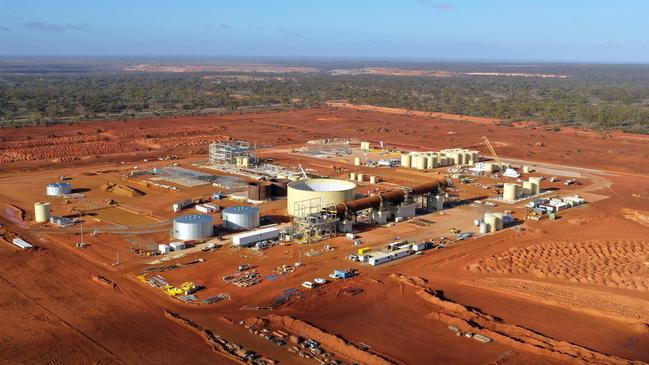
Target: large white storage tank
(305, 194)
(42, 212)
(492, 221)
(528, 188)
(511, 192)
(58, 188)
(421, 161)
(193, 227)
(536, 182)
(240, 218)
(405, 160)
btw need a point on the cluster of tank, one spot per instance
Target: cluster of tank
(196, 227)
(513, 192)
(493, 222)
(446, 157)
(361, 177)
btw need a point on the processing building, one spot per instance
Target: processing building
(307, 196)
(193, 227)
(240, 218)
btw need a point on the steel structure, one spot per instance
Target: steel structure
(227, 152)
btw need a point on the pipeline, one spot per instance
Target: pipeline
(393, 196)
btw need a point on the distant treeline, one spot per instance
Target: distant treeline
(600, 98)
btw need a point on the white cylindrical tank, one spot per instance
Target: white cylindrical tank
(42, 212)
(357, 161)
(537, 184)
(526, 169)
(459, 158)
(324, 192)
(511, 192)
(372, 179)
(405, 160)
(58, 188)
(421, 162)
(443, 161)
(352, 176)
(484, 228)
(431, 162)
(240, 218)
(193, 227)
(528, 188)
(245, 161)
(501, 220)
(360, 177)
(492, 221)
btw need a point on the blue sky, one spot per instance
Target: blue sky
(504, 30)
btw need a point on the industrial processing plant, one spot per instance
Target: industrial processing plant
(255, 237)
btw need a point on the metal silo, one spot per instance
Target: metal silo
(193, 227)
(240, 218)
(58, 188)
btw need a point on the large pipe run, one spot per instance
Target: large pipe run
(392, 196)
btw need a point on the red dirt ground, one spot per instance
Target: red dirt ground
(48, 298)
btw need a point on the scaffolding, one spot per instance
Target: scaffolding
(312, 222)
(227, 152)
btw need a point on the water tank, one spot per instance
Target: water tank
(405, 160)
(431, 161)
(484, 228)
(357, 161)
(528, 188)
(193, 227)
(372, 179)
(360, 177)
(58, 188)
(537, 184)
(459, 158)
(420, 162)
(259, 190)
(475, 157)
(305, 194)
(501, 220)
(443, 161)
(42, 212)
(492, 221)
(352, 176)
(278, 187)
(240, 218)
(511, 192)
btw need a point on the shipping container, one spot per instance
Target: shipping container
(252, 237)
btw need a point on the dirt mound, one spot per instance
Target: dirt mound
(617, 264)
(626, 309)
(122, 190)
(638, 216)
(520, 338)
(329, 341)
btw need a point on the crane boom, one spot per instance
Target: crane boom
(492, 150)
